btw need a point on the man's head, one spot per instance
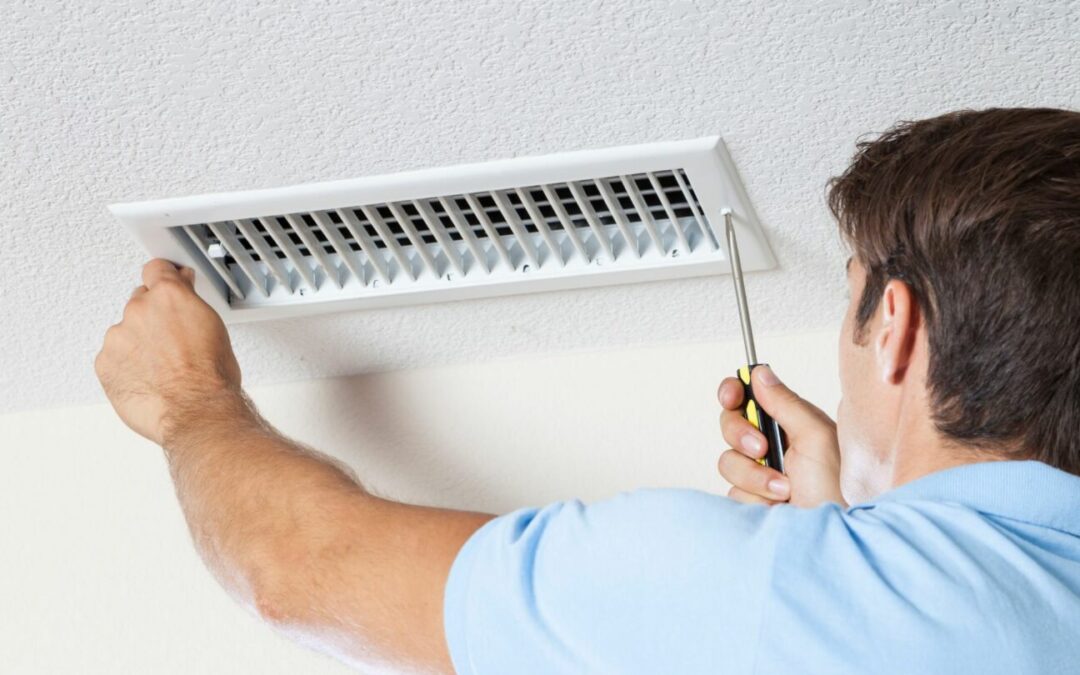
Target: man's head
(965, 280)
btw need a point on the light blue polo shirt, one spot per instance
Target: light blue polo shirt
(970, 570)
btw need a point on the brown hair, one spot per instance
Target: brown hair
(978, 212)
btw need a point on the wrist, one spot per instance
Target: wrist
(206, 412)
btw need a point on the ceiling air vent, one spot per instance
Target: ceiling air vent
(618, 215)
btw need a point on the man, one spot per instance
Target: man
(957, 444)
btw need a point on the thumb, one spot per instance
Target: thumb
(789, 410)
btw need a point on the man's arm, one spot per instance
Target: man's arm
(285, 530)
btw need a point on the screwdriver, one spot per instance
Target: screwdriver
(774, 435)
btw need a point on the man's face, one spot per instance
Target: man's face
(863, 434)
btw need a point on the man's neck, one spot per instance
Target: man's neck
(920, 450)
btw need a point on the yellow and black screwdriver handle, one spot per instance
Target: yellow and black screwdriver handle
(756, 415)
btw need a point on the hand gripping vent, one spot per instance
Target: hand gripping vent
(531, 224)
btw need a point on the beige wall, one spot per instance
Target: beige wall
(96, 571)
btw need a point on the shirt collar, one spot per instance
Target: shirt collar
(1028, 491)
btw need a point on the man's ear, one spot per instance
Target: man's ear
(894, 344)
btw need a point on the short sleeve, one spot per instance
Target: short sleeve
(650, 581)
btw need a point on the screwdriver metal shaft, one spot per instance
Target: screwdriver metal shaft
(740, 290)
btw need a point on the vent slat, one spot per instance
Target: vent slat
(315, 248)
(448, 247)
(617, 213)
(462, 227)
(224, 235)
(680, 234)
(489, 229)
(698, 217)
(541, 225)
(367, 246)
(567, 224)
(268, 257)
(322, 222)
(389, 240)
(405, 223)
(289, 249)
(553, 228)
(520, 234)
(203, 244)
(643, 212)
(585, 206)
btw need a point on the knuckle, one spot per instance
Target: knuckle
(171, 290)
(729, 393)
(788, 397)
(131, 309)
(734, 468)
(724, 464)
(732, 426)
(168, 285)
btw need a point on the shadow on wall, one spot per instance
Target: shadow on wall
(506, 433)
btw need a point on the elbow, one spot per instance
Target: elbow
(273, 607)
(276, 589)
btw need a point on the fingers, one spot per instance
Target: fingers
(741, 435)
(730, 393)
(139, 290)
(737, 431)
(753, 478)
(159, 269)
(745, 497)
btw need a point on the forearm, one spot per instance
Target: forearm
(296, 538)
(249, 494)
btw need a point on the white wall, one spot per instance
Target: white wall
(96, 571)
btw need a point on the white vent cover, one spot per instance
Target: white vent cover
(570, 220)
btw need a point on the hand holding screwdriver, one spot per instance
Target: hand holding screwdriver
(812, 459)
(761, 417)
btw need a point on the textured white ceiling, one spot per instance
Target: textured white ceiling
(142, 100)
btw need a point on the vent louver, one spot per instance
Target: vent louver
(541, 223)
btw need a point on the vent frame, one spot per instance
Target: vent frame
(704, 163)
